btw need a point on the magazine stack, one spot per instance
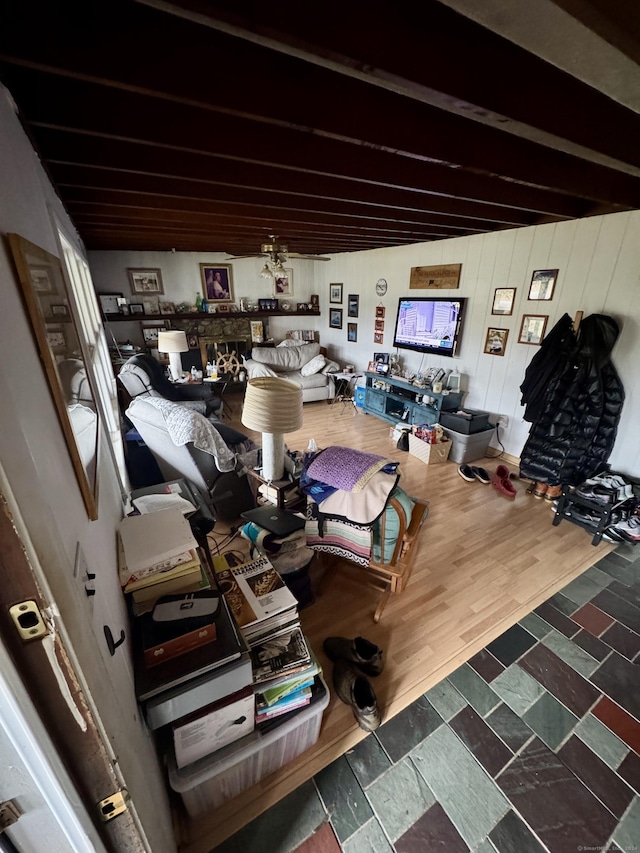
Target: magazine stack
(284, 669)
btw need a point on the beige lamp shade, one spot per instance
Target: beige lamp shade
(172, 341)
(272, 405)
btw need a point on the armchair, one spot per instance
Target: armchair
(176, 437)
(142, 375)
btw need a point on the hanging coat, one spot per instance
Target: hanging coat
(576, 396)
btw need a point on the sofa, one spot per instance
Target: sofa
(301, 363)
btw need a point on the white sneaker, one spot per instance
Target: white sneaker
(631, 527)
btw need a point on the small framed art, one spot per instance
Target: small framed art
(352, 332)
(335, 318)
(145, 280)
(380, 311)
(496, 341)
(532, 329)
(217, 282)
(542, 285)
(150, 304)
(136, 308)
(59, 311)
(109, 302)
(167, 308)
(503, 299)
(150, 329)
(353, 303)
(378, 337)
(283, 283)
(335, 294)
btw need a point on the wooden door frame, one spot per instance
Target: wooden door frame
(68, 720)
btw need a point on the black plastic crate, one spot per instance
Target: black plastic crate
(474, 421)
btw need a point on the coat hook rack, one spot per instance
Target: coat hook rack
(577, 320)
(112, 644)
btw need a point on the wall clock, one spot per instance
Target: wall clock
(381, 286)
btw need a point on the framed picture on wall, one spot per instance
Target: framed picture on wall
(352, 332)
(353, 302)
(150, 329)
(503, 299)
(217, 283)
(335, 294)
(283, 283)
(496, 341)
(145, 280)
(542, 285)
(532, 329)
(335, 318)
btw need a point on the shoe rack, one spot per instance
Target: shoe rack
(570, 503)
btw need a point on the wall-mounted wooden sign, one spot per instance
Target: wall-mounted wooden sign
(439, 277)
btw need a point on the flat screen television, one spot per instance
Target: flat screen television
(429, 324)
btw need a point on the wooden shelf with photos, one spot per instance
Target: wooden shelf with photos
(201, 315)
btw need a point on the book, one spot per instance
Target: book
(186, 569)
(154, 542)
(169, 674)
(285, 651)
(312, 670)
(254, 592)
(289, 703)
(177, 624)
(143, 599)
(274, 695)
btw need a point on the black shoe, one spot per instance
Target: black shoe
(480, 474)
(365, 655)
(354, 689)
(466, 472)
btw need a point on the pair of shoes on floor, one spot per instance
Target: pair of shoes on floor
(501, 481)
(471, 473)
(615, 482)
(351, 659)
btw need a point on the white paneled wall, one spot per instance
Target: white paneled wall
(599, 272)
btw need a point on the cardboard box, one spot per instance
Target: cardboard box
(431, 454)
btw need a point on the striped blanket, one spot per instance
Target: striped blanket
(337, 536)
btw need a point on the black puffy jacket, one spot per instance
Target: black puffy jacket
(574, 397)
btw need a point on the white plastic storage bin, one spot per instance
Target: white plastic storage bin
(208, 783)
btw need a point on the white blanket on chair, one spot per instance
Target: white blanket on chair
(185, 425)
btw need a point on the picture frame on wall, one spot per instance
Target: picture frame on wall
(150, 329)
(496, 341)
(109, 302)
(353, 303)
(352, 332)
(503, 299)
(532, 329)
(380, 310)
(335, 294)
(145, 280)
(335, 318)
(283, 283)
(378, 337)
(217, 283)
(542, 285)
(151, 304)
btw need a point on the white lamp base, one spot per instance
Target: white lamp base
(272, 455)
(175, 363)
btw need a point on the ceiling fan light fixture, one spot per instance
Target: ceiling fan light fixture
(266, 272)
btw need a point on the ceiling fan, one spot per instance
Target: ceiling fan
(277, 253)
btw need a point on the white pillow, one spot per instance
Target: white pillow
(314, 366)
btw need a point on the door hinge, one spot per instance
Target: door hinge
(113, 806)
(9, 814)
(28, 620)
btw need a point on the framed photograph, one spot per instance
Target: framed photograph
(136, 308)
(283, 283)
(217, 283)
(352, 332)
(503, 299)
(379, 325)
(335, 318)
(335, 294)
(193, 342)
(542, 284)
(42, 281)
(59, 311)
(301, 306)
(167, 308)
(150, 329)
(353, 303)
(372, 367)
(145, 280)
(533, 328)
(109, 302)
(315, 300)
(150, 304)
(257, 331)
(378, 338)
(496, 341)
(380, 309)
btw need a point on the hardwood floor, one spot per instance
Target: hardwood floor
(484, 562)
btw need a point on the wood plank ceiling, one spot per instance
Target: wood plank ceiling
(207, 126)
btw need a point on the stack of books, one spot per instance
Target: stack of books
(158, 556)
(267, 614)
(290, 497)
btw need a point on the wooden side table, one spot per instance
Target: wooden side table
(280, 487)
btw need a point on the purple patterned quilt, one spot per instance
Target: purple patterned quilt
(345, 468)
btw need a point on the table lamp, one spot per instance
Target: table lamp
(174, 343)
(273, 407)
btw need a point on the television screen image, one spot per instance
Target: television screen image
(429, 324)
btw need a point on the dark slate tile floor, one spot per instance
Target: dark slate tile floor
(533, 746)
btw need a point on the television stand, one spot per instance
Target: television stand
(395, 400)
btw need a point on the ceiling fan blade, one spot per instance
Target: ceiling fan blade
(255, 255)
(308, 257)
